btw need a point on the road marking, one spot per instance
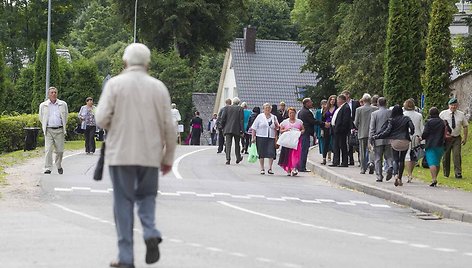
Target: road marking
(335, 230)
(445, 249)
(264, 260)
(237, 254)
(175, 166)
(468, 254)
(235, 196)
(67, 156)
(214, 249)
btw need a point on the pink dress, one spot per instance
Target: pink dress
(289, 158)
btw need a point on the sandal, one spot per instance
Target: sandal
(262, 172)
(269, 171)
(117, 264)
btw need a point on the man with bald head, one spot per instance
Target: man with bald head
(135, 109)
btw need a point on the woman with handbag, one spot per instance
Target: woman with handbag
(264, 130)
(290, 157)
(87, 118)
(434, 133)
(398, 129)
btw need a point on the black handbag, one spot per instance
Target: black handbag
(78, 129)
(353, 139)
(98, 174)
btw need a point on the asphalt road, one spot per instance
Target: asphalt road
(214, 215)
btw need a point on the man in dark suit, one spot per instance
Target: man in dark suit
(221, 137)
(233, 126)
(342, 124)
(353, 105)
(309, 123)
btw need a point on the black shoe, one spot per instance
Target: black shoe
(371, 168)
(47, 171)
(459, 176)
(351, 163)
(218, 152)
(324, 162)
(60, 170)
(227, 162)
(239, 160)
(434, 184)
(379, 180)
(389, 175)
(333, 165)
(152, 249)
(343, 165)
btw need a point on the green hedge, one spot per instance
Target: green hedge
(12, 135)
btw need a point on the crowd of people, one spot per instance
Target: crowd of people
(387, 140)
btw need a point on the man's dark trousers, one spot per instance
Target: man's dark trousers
(221, 140)
(304, 155)
(237, 146)
(340, 147)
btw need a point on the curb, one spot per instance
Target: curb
(395, 197)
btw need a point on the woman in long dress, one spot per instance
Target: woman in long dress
(289, 158)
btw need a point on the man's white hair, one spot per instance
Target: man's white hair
(137, 54)
(236, 101)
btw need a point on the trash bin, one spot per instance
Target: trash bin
(31, 137)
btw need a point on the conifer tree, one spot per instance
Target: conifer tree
(39, 85)
(438, 55)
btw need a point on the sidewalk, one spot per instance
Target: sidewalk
(445, 202)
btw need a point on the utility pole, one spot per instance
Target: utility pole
(135, 18)
(48, 53)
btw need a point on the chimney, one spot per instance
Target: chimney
(250, 39)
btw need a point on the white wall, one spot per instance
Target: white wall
(229, 84)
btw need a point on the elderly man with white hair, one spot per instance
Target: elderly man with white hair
(362, 123)
(135, 108)
(232, 123)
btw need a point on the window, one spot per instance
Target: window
(300, 91)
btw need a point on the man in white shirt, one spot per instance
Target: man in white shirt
(53, 116)
(457, 121)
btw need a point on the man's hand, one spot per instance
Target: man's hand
(165, 169)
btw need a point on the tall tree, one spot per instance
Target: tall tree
(359, 50)
(207, 75)
(438, 55)
(272, 19)
(22, 94)
(318, 32)
(188, 26)
(2, 78)
(177, 76)
(39, 86)
(402, 60)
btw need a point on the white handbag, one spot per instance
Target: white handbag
(289, 139)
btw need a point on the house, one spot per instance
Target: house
(259, 71)
(460, 89)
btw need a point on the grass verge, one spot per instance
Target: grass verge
(18, 157)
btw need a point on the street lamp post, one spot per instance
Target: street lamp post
(48, 47)
(135, 17)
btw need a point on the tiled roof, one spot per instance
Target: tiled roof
(272, 73)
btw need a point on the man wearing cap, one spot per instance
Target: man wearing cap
(141, 141)
(457, 121)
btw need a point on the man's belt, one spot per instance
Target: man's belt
(55, 127)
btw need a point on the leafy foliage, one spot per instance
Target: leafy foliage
(402, 63)
(272, 19)
(207, 76)
(2, 79)
(359, 51)
(39, 85)
(438, 55)
(22, 93)
(188, 26)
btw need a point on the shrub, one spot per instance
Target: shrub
(12, 135)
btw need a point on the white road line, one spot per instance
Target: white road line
(221, 194)
(291, 265)
(195, 245)
(77, 212)
(419, 246)
(379, 206)
(67, 156)
(63, 189)
(100, 191)
(214, 249)
(241, 196)
(468, 254)
(275, 199)
(183, 192)
(400, 242)
(175, 240)
(237, 254)
(175, 166)
(204, 195)
(290, 198)
(256, 196)
(377, 237)
(445, 249)
(81, 188)
(310, 201)
(359, 202)
(326, 200)
(169, 194)
(264, 260)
